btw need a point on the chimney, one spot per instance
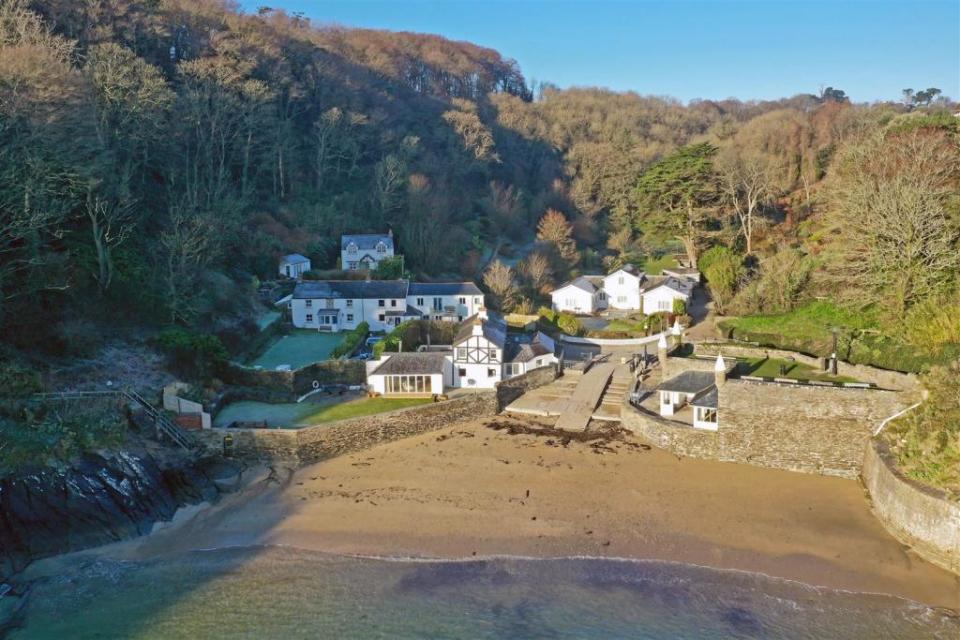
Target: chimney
(720, 371)
(390, 232)
(478, 323)
(677, 331)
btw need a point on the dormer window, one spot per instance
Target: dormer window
(352, 248)
(381, 248)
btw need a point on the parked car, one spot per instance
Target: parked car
(372, 340)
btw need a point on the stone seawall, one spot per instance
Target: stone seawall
(810, 429)
(312, 444)
(299, 381)
(920, 516)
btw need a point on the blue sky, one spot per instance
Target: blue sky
(690, 49)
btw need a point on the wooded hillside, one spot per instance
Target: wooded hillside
(157, 155)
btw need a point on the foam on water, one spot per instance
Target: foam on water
(268, 592)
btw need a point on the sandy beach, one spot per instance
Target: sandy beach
(472, 490)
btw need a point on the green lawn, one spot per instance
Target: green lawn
(627, 325)
(812, 321)
(770, 368)
(299, 348)
(304, 414)
(654, 266)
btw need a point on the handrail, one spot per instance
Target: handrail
(163, 424)
(883, 425)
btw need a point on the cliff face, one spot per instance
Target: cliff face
(96, 500)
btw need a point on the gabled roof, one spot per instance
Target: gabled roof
(366, 241)
(580, 282)
(689, 382)
(369, 289)
(518, 351)
(674, 284)
(494, 329)
(708, 398)
(420, 362)
(294, 258)
(444, 289)
(629, 268)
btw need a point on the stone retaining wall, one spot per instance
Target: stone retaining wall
(312, 444)
(299, 381)
(882, 377)
(809, 429)
(918, 515)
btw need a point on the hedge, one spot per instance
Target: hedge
(352, 341)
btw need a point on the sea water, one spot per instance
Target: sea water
(278, 592)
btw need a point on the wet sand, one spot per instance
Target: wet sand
(471, 490)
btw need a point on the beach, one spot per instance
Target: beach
(473, 490)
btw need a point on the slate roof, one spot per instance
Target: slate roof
(670, 282)
(425, 362)
(494, 329)
(444, 289)
(294, 258)
(708, 398)
(369, 289)
(629, 268)
(366, 241)
(689, 382)
(580, 282)
(524, 351)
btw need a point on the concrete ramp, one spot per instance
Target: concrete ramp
(586, 397)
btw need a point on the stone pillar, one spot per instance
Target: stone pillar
(677, 332)
(720, 371)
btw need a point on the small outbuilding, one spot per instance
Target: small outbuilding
(682, 389)
(294, 265)
(411, 374)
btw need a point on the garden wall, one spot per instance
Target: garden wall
(920, 516)
(810, 429)
(348, 372)
(882, 377)
(313, 444)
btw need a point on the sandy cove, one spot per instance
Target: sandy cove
(471, 490)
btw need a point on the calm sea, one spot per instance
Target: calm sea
(286, 593)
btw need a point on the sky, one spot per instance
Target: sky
(688, 49)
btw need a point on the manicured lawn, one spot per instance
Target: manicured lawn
(812, 321)
(304, 414)
(627, 325)
(299, 348)
(770, 368)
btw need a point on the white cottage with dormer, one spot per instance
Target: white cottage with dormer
(364, 251)
(622, 288)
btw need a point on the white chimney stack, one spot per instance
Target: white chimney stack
(720, 370)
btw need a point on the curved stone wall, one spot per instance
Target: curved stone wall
(920, 516)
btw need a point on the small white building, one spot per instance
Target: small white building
(294, 265)
(676, 392)
(582, 295)
(410, 374)
(364, 251)
(658, 294)
(622, 288)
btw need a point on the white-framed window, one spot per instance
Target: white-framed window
(352, 265)
(511, 369)
(621, 298)
(382, 317)
(568, 302)
(349, 304)
(352, 248)
(393, 303)
(491, 373)
(382, 303)
(492, 354)
(409, 384)
(349, 317)
(476, 301)
(707, 414)
(620, 280)
(463, 301)
(539, 362)
(309, 317)
(419, 302)
(461, 353)
(309, 303)
(381, 248)
(664, 305)
(462, 372)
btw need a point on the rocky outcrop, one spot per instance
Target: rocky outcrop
(99, 498)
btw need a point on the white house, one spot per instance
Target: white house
(582, 295)
(676, 392)
(294, 265)
(622, 288)
(410, 374)
(485, 354)
(364, 251)
(658, 294)
(341, 305)
(684, 273)
(450, 301)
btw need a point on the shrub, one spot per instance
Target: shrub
(679, 307)
(351, 341)
(193, 355)
(561, 321)
(17, 381)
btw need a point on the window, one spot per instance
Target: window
(491, 373)
(381, 248)
(393, 303)
(463, 301)
(309, 303)
(620, 280)
(382, 317)
(707, 415)
(309, 317)
(349, 304)
(461, 353)
(382, 303)
(352, 248)
(349, 317)
(462, 372)
(476, 301)
(511, 369)
(663, 305)
(352, 265)
(539, 362)
(492, 354)
(437, 304)
(333, 319)
(665, 397)
(568, 302)
(621, 298)
(419, 302)
(459, 318)
(409, 384)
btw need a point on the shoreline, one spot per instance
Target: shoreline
(468, 492)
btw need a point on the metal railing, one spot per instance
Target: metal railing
(163, 424)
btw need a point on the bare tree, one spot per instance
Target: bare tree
(189, 246)
(110, 224)
(499, 279)
(537, 268)
(554, 230)
(748, 183)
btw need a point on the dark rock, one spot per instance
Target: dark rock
(96, 500)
